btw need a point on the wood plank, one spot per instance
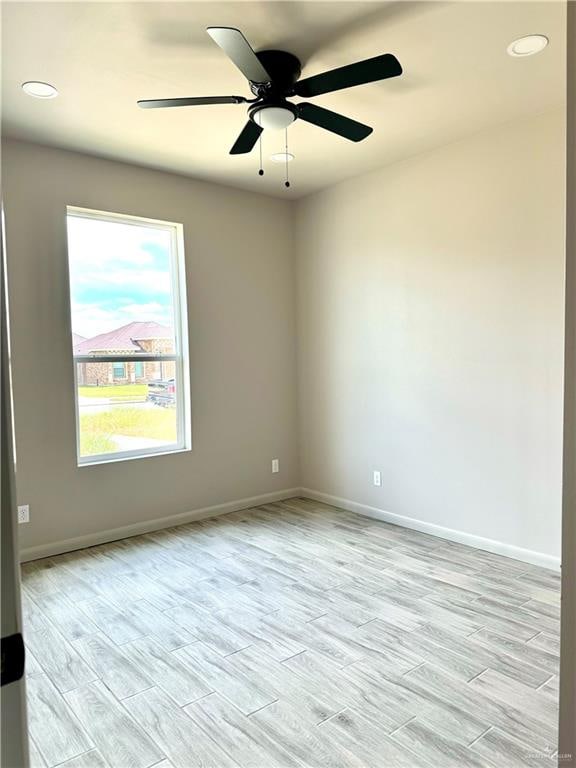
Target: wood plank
(184, 743)
(551, 688)
(437, 750)
(92, 759)
(282, 723)
(53, 726)
(32, 617)
(412, 649)
(313, 706)
(36, 759)
(391, 702)
(502, 688)
(245, 692)
(65, 615)
(486, 656)
(113, 665)
(541, 578)
(549, 643)
(319, 676)
(533, 618)
(452, 694)
(238, 734)
(209, 629)
(526, 652)
(504, 750)
(120, 740)
(245, 623)
(61, 662)
(360, 738)
(111, 620)
(154, 622)
(167, 671)
(32, 666)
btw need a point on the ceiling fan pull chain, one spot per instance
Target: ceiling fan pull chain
(287, 182)
(261, 171)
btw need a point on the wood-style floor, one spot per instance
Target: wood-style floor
(294, 634)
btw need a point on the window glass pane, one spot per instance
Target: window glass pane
(120, 287)
(126, 301)
(139, 413)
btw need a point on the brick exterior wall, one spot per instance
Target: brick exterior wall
(102, 374)
(95, 374)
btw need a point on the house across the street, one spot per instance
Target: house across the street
(131, 339)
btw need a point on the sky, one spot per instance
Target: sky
(118, 273)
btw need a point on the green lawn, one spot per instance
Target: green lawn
(94, 443)
(116, 391)
(97, 429)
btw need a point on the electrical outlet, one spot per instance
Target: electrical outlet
(275, 466)
(377, 478)
(24, 513)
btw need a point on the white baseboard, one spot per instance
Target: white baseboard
(490, 545)
(124, 532)
(146, 526)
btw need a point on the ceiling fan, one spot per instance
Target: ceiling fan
(273, 77)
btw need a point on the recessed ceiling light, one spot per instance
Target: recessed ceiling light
(528, 45)
(282, 157)
(39, 90)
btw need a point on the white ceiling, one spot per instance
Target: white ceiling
(102, 57)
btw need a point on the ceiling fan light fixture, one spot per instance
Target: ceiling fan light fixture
(273, 118)
(527, 45)
(39, 90)
(282, 157)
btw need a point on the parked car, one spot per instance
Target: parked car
(162, 392)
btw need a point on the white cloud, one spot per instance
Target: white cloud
(102, 244)
(150, 280)
(118, 269)
(91, 319)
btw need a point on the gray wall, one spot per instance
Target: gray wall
(429, 337)
(239, 262)
(430, 317)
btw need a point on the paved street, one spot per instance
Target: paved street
(100, 404)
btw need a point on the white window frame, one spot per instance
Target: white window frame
(180, 356)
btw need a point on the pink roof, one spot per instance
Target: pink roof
(124, 339)
(76, 339)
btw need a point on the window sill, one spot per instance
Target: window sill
(131, 457)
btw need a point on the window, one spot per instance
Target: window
(129, 338)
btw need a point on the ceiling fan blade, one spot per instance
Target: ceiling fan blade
(190, 102)
(247, 139)
(332, 121)
(238, 49)
(368, 71)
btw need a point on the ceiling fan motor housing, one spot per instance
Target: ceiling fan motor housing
(284, 68)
